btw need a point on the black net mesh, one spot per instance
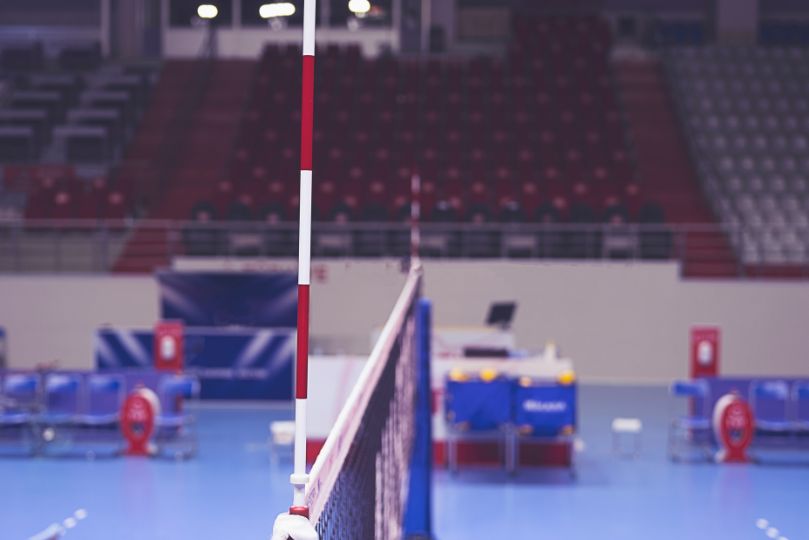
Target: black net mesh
(370, 485)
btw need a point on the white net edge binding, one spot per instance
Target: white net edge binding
(329, 462)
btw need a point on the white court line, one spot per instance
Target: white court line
(58, 530)
(768, 530)
(53, 531)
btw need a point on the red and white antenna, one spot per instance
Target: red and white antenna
(415, 216)
(299, 477)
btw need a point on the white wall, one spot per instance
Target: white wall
(618, 322)
(624, 322)
(53, 318)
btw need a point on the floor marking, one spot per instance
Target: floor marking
(56, 530)
(53, 531)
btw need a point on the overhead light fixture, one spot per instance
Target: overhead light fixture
(359, 7)
(276, 9)
(207, 11)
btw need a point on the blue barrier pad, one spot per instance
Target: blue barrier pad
(478, 405)
(544, 409)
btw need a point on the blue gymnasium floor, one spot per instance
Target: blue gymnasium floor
(230, 491)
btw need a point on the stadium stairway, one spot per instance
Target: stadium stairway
(665, 168)
(196, 143)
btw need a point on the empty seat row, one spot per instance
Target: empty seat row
(746, 114)
(480, 132)
(31, 56)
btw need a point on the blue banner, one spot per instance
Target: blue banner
(229, 299)
(243, 364)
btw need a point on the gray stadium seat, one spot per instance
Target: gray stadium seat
(747, 116)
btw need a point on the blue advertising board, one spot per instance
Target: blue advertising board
(241, 364)
(265, 300)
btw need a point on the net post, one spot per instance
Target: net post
(418, 514)
(299, 478)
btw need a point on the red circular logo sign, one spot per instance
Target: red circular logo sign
(734, 426)
(138, 414)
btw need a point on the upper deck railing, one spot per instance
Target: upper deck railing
(101, 246)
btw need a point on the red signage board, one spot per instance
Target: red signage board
(704, 352)
(733, 426)
(168, 346)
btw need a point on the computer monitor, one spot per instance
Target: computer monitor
(501, 314)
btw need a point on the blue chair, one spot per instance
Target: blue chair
(62, 412)
(105, 396)
(800, 400)
(63, 400)
(20, 401)
(770, 404)
(175, 428)
(99, 421)
(690, 436)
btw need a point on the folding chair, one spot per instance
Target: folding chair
(770, 404)
(691, 430)
(99, 421)
(61, 414)
(175, 430)
(19, 403)
(800, 409)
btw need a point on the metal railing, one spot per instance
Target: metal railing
(101, 246)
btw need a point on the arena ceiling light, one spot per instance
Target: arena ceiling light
(359, 7)
(207, 11)
(276, 9)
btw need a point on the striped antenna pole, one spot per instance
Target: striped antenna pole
(415, 216)
(299, 477)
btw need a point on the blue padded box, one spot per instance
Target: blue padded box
(545, 409)
(475, 404)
